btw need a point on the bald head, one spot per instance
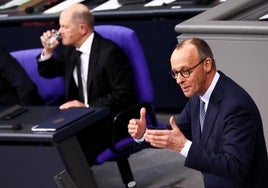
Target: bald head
(76, 25)
(78, 14)
(199, 47)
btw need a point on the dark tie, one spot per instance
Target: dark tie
(202, 114)
(79, 78)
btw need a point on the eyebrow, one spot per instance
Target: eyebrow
(182, 69)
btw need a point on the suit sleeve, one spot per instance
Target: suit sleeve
(19, 81)
(51, 67)
(184, 121)
(114, 80)
(229, 150)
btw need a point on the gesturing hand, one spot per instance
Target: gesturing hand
(166, 139)
(137, 127)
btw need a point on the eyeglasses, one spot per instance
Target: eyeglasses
(185, 73)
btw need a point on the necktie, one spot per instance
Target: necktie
(202, 114)
(79, 78)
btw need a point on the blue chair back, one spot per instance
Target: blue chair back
(133, 50)
(51, 90)
(122, 148)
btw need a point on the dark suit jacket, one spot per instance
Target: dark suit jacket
(231, 151)
(110, 79)
(16, 87)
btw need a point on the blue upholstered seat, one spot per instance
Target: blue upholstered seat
(129, 42)
(51, 90)
(120, 150)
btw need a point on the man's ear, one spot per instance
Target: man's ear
(83, 29)
(208, 64)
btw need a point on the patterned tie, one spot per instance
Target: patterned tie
(79, 78)
(202, 114)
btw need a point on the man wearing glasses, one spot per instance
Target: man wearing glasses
(220, 131)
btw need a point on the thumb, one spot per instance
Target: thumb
(172, 122)
(143, 116)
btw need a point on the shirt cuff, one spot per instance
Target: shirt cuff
(186, 148)
(44, 57)
(139, 140)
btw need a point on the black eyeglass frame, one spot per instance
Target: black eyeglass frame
(185, 73)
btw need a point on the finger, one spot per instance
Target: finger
(143, 116)
(48, 33)
(65, 105)
(131, 123)
(172, 122)
(156, 140)
(53, 31)
(156, 133)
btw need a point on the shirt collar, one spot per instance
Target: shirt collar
(208, 93)
(86, 45)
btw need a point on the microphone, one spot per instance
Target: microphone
(12, 127)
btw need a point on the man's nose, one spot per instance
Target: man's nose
(179, 79)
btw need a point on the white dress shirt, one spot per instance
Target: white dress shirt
(85, 50)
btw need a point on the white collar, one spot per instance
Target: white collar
(86, 45)
(208, 93)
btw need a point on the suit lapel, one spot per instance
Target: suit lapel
(196, 134)
(211, 115)
(94, 54)
(212, 111)
(69, 80)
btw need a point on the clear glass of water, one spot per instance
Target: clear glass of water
(50, 41)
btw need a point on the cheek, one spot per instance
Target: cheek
(68, 39)
(196, 85)
(64, 41)
(73, 37)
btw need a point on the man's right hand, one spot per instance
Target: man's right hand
(137, 127)
(48, 49)
(72, 104)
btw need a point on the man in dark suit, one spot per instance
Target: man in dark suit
(16, 87)
(226, 141)
(106, 75)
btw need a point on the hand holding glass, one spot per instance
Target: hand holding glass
(50, 41)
